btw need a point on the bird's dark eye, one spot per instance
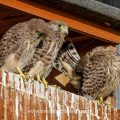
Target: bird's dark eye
(59, 25)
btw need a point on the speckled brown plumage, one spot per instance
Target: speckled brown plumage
(101, 72)
(42, 62)
(18, 44)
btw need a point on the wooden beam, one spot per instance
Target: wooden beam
(78, 24)
(80, 38)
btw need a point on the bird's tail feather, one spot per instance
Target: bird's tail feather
(68, 54)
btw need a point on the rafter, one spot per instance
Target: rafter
(78, 24)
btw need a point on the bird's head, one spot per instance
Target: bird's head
(59, 26)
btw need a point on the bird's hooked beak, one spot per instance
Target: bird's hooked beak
(64, 30)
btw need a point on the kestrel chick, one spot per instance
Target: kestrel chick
(101, 72)
(18, 44)
(45, 54)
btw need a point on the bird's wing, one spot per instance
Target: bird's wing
(17, 36)
(95, 76)
(33, 61)
(10, 42)
(68, 55)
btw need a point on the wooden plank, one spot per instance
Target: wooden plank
(80, 38)
(81, 25)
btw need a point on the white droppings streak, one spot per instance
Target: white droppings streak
(34, 88)
(58, 111)
(68, 113)
(3, 78)
(52, 110)
(52, 92)
(77, 107)
(20, 101)
(79, 115)
(1, 92)
(83, 102)
(17, 82)
(29, 87)
(88, 111)
(57, 95)
(22, 88)
(16, 107)
(46, 112)
(46, 95)
(37, 88)
(65, 98)
(11, 79)
(72, 101)
(50, 105)
(42, 94)
(105, 113)
(96, 110)
(90, 106)
(3, 83)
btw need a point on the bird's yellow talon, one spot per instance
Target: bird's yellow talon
(31, 78)
(108, 105)
(42, 80)
(45, 82)
(100, 101)
(25, 83)
(21, 73)
(39, 79)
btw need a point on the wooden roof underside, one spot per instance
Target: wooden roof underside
(80, 25)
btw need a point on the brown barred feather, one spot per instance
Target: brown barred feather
(18, 44)
(42, 62)
(101, 72)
